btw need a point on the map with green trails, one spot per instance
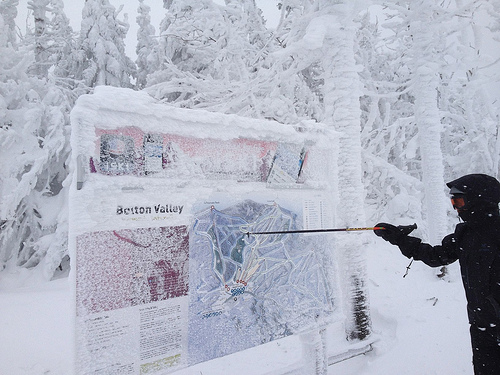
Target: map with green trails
(246, 290)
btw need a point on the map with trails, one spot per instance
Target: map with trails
(246, 289)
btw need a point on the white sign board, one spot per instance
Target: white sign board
(166, 271)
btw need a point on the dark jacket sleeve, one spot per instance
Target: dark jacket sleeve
(434, 256)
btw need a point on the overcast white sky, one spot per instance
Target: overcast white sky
(73, 10)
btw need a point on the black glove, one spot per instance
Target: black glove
(393, 234)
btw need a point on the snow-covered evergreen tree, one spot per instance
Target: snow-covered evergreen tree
(54, 40)
(470, 116)
(285, 86)
(102, 59)
(424, 82)
(187, 48)
(33, 149)
(62, 43)
(209, 55)
(146, 44)
(389, 136)
(8, 10)
(247, 20)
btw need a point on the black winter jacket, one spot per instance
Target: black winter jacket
(477, 247)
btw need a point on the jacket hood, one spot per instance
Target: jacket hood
(478, 188)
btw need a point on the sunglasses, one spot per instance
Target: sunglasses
(458, 202)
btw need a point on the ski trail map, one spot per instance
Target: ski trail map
(246, 289)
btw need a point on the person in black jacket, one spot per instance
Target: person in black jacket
(476, 245)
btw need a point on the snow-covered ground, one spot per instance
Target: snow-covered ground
(419, 324)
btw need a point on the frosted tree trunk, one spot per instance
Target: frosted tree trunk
(342, 111)
(427, 117)
(39, 8)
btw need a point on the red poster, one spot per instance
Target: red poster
(129, 151)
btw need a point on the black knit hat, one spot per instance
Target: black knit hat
(478, 188)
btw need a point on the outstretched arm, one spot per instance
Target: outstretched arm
(412, 247)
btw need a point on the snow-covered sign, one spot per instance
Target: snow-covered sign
(167, 272)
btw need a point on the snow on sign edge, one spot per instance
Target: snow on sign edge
(149, 114)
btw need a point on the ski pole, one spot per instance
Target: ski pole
(317, 230)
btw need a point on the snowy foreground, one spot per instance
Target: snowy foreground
(419, 322)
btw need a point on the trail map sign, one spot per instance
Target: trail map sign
(165, 272)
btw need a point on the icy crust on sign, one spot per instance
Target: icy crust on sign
(251, 289)
(129, 151)
(107, 107)
(130, 267)
(119, 132)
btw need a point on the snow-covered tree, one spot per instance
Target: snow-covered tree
(209, 55)
(42, 53)
(146, 44)
(265, 79)
(341, 93)
(62, 43)
(54, 40)
(247, 20)
(189, 34)
(425, 82)
(492, 110)
(102, 59)
(426, 53)
(33, 149)
(8, 10)
(314, 78)
(470, 116)
(389, 136)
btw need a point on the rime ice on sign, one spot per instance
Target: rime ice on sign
(164, 278)
(141, 271)
(287, 164)
(130, 151)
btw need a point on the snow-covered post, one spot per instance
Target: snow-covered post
(426, 83)
(314, 352)
(342, 91)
